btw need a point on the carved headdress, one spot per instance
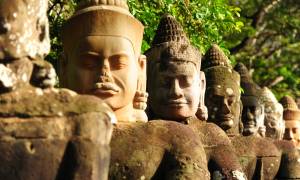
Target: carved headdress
(171, 44)
(218, 70)
(102, 18)
(250, 88)
(215, 57)
(291, 110)
(270, 101)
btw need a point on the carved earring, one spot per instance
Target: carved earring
(202, 113)
(140, 99)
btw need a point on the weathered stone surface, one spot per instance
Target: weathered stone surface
(156, 150)
(220, 153)
(51, 133)
(273, 115)
(23, 29)
(290, 165)
(43, 75)
(57, 129)
(259, 156)
(8, 79)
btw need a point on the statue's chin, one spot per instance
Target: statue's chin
(248, 131)
(225, 125)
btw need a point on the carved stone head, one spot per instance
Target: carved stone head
(222, 96)
(253, 107)
(19, 42)
(102, 43)
(273, 115)
(174, 83)
(17, 37)
(291, 116)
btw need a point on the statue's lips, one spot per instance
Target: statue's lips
(176, 103)
(226, 118)
(249, 124)
(106, 88)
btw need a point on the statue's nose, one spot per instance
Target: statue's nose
(104, 72)
(175, 90)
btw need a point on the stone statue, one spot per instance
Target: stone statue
(273, 115)
(290, 163)
(259, 156)
(102, 43)
(175, 86)
(253, 108)
(44, 133)
(291, 116)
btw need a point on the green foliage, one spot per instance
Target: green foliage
(270, 43)
(205, 21)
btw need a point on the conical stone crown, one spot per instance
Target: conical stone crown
(249, 86)
(116, 3)
(291, 111)
(268, 96)
(215, 57)
(243, 71)
(288, 103)
(169, 30)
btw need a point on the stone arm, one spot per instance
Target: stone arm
(222, 158)
(289, 164)
(186, 158)
(88, 149)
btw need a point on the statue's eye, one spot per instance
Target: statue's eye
(185, 81)
(89, 62)
(165, 81)
(296, 130)
(118, 62)
(231, 100)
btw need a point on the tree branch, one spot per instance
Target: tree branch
(257, 23)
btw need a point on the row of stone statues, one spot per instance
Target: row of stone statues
(194, 124)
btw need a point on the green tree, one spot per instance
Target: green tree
(269, 43)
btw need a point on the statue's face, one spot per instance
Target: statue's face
(252, 115)
(274, 122)
(176, 91)
(224, 106)
(106, 67)
(292, 131)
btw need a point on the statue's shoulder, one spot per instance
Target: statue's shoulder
(30, 101)
(214, 134)
(290, 165)
(284, 145)
(262, 147)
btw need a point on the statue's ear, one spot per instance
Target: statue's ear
(62, 70)
(141, 96)
(142, 63)
(203, 87)
(241, 126)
